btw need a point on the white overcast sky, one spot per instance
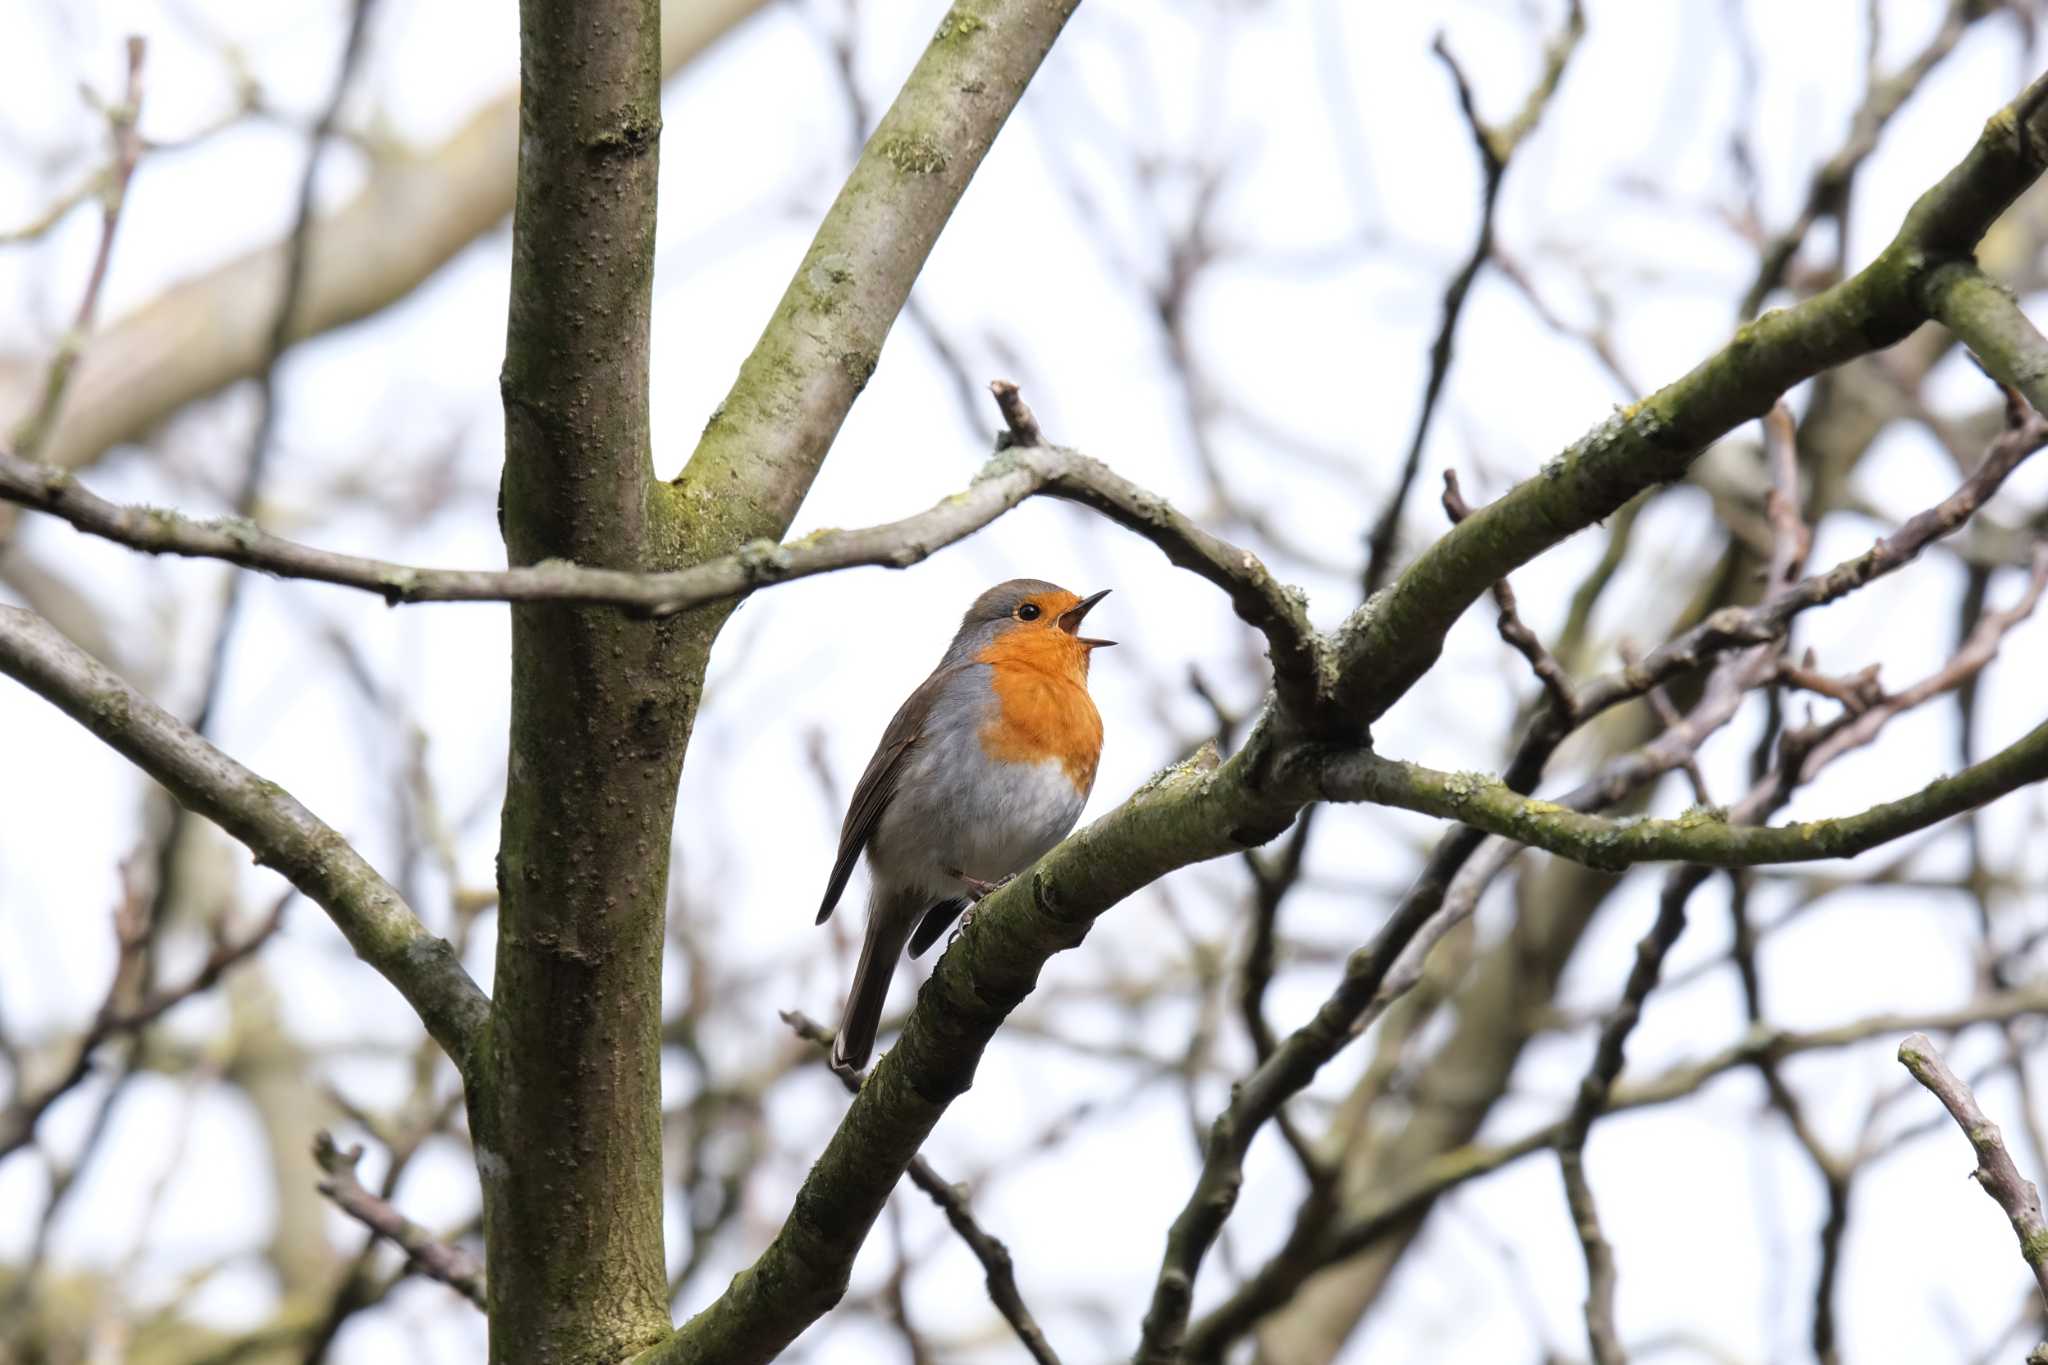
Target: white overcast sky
(1711, 1211)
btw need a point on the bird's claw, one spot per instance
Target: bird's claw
(977, 889)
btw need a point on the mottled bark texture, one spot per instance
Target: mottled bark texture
(567, 1120)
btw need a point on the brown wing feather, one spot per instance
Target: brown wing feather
(877, 786)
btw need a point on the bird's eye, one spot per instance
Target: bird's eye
(1029, 612)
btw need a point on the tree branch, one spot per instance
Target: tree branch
(435, 1259)
(1995, 1172)
(1393, 639)
(281, 833)
(1513, 630)
(1703, 836)
(417, 208)
(1828, 193)
(1495, 147)
(765, 442)
(1191, 812)
(2025, 433)
(34, 429)
(1985, 317)
(998, 1271)
(896, 544)
(1013, 475)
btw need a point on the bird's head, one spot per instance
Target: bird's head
(1027, 612)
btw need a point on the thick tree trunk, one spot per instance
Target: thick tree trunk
(567, 1120)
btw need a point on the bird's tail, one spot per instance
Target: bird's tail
(891, 917)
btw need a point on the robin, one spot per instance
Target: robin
(983, 769)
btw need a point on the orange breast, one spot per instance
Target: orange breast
(1043, 709)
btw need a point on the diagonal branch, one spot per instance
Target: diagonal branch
(34, 429)
(281, 833)
(998, 1270)
(1828, 193)
(1986, 318)
(765, 442)
(2026, 432)
(1392, 640)
(435, 1259)
(1995, 1172)
(1194, 811)
(1277, 611)
(120, 1012)
(1512, 629)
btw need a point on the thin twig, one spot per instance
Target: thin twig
(1495, 146)
(1827, 195)
(1995, 1172)
(999, 1272)
(298, 251)
(282, 833)
(35, 429)
(1512, 629)
(1734, 627)
(435, 1259)
(117, 1016)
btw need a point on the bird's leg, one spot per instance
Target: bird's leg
(977, 889)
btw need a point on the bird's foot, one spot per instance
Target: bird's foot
(977, 889)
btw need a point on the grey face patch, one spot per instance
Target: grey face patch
(1001, 602)
(993, 612)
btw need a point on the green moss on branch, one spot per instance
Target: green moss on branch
(1701, 835)
(1985, 317)
(1391, 641)
(764, 445)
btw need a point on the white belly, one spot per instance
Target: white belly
(998, 822)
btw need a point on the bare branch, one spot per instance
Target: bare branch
(435, 1259)
(1995, 1171)
(1358, 997)
(281, 833)
(297, 256)
(33, 430)
(897, 545)
(1594, 1090)
(1828, 193)
(1986, 318)
(1399, 1209)
(417, 208)
(1512, 629)
(1699, 837)
(1017, 415)
(1027, 468)
(998, 1271)
(1495, 147)
(1729, 627)
(1394, 638)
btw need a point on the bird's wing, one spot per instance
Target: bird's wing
(877, 786)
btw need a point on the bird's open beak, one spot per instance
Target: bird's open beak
(1070, 619)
